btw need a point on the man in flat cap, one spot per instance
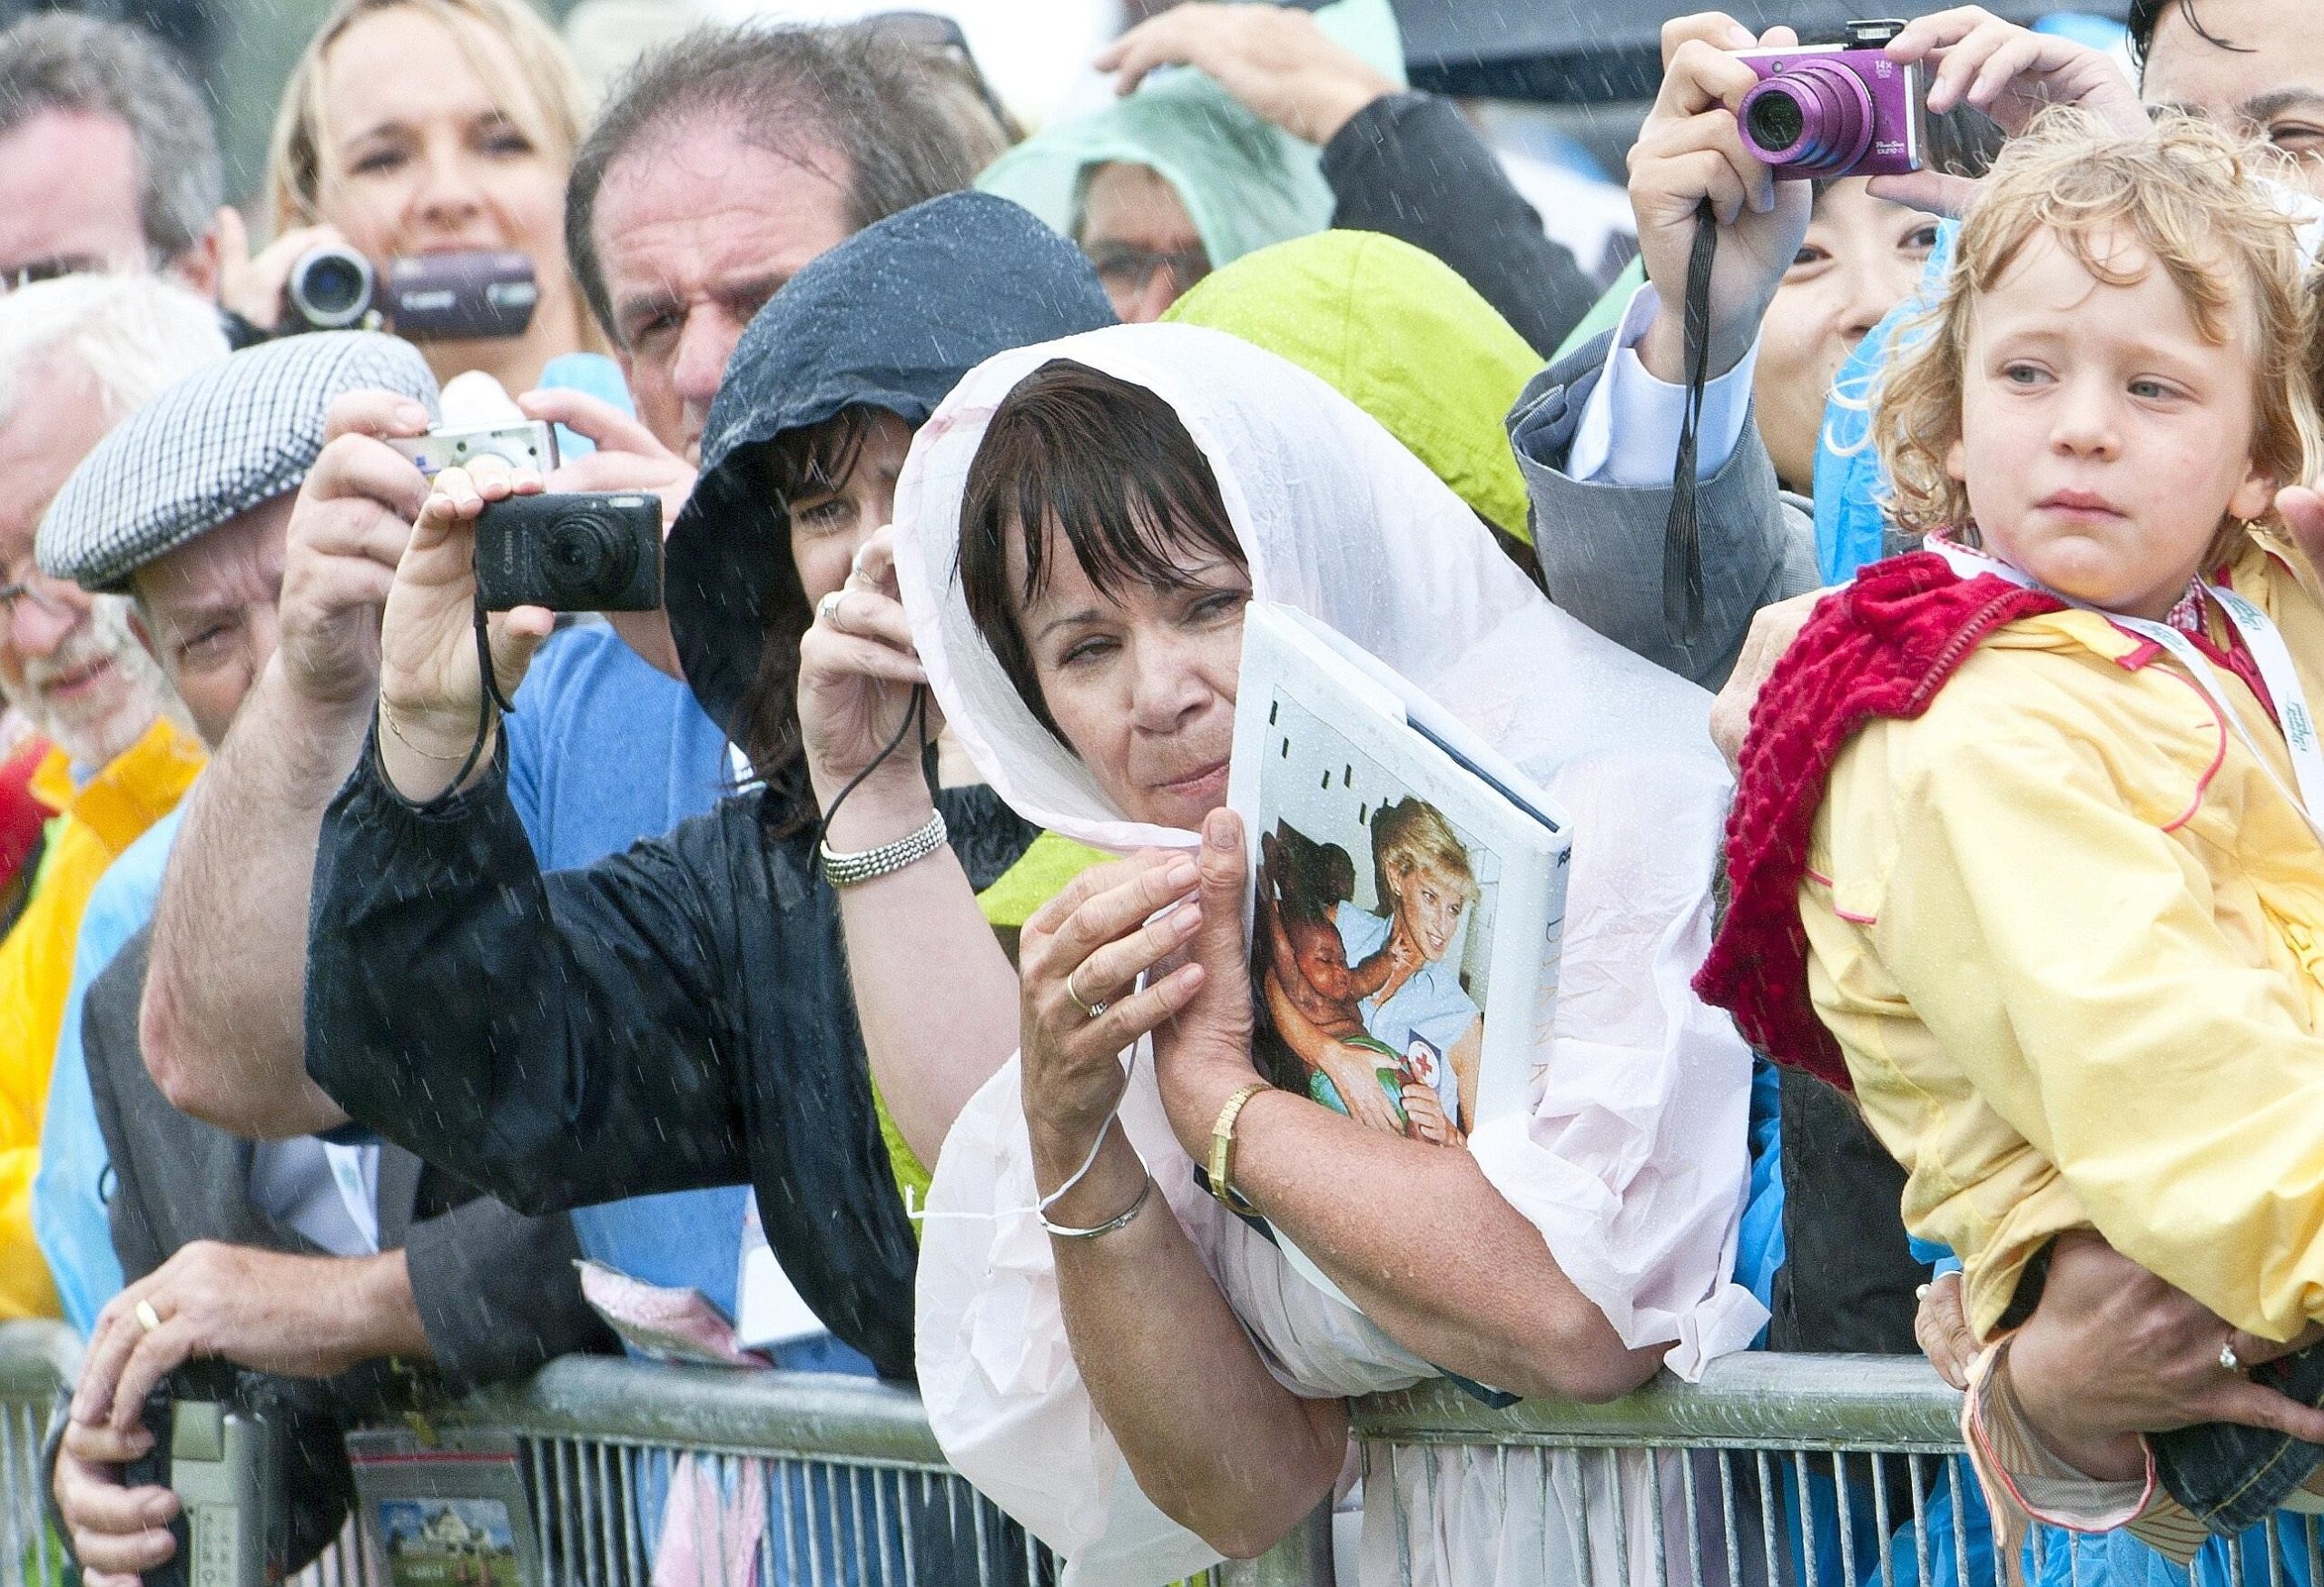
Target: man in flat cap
(76, 356)
(323, 1267)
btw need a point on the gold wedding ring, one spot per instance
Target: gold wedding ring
(1084, 1004)
(147, 1317)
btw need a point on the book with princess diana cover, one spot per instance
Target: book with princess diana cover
(1407, 898)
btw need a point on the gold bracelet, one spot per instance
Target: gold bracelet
(388, 718)
(1222, 1148)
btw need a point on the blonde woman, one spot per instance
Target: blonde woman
(423, 127)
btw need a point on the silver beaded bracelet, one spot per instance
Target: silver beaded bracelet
(848, 869)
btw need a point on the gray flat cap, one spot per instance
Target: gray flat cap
(228, 437)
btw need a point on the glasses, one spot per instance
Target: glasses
(941, 37)
(1126, 268)
(44, 270)
(16, 594)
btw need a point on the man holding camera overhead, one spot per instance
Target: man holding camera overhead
(326, 1267)
(731, 160)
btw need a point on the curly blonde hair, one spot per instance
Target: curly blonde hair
(2193, 197)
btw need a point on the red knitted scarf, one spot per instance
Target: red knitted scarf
(1882, 648)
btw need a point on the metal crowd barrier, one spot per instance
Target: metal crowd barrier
(36, 1359)
(1774, 1472)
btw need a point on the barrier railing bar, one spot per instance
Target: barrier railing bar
(1894, 1405)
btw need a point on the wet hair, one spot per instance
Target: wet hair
(2190, 194)
(1102, 469)
(2146, 15)
(858, 93)
(60, 62)
(1412, 834)
(810, 461)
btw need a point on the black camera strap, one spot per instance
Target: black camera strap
(915, 717)
(1683, 551)
(488, 699)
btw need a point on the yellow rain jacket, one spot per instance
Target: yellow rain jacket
(2067, 933)
(94, 822)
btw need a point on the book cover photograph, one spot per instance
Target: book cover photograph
(1406, 898)
(1372, 940)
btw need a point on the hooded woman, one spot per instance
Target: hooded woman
(669, 1056)
(1140, 1378)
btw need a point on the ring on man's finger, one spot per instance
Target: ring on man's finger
(1074, 993)
(147, 1317)
(2229, 1360)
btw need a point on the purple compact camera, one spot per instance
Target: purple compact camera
(1834, 110)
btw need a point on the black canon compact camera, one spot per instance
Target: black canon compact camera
(575, 552)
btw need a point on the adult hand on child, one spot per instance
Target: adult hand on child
(1773, 629)
(1425, 1109)
(1940, 1328)
(2111, 1351)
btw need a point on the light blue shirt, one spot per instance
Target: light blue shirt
(1430, 1005)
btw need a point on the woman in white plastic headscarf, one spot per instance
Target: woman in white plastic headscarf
(1567, 1252)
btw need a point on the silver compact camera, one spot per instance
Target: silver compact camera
(222, 1468)
(531, 444)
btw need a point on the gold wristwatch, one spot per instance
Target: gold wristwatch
(1222, 1151)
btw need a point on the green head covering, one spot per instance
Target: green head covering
(1245, 184)
(1397, 333)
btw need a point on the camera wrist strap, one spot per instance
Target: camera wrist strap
(488, 697)
(1682, 555)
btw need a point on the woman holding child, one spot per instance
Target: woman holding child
(2027, 845)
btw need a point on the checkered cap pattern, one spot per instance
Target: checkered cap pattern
(233, 434)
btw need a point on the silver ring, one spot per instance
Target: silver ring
(1074, 993)
(824, 607)
(2228, 1359)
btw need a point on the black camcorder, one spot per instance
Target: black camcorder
(429, 296)
(575, 552)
